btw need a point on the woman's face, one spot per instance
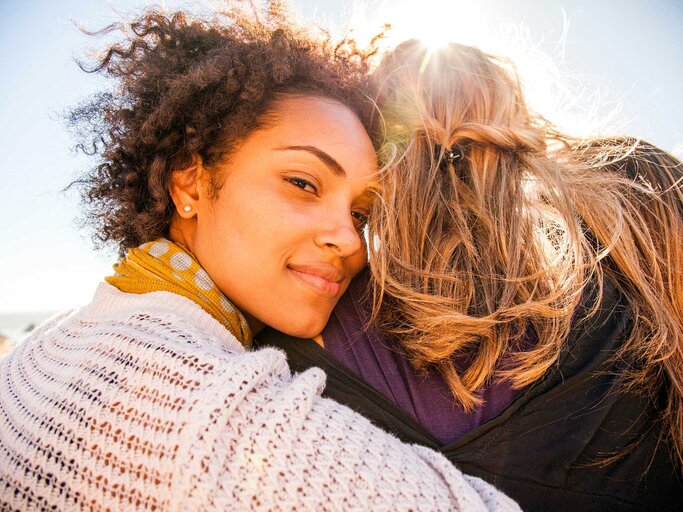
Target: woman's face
(284, 236)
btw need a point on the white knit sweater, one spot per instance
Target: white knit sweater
(145, 402)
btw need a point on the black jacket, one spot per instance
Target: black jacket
(547, 449)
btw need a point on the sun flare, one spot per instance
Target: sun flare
(434, 22)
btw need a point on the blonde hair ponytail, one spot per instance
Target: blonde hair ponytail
(475, 253)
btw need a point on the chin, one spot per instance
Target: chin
(305, 330)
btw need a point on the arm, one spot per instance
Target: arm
(275, 444)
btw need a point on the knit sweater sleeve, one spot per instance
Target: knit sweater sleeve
(275, 444)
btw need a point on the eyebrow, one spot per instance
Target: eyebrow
(326, 159)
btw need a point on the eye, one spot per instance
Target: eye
(360, 218)
(303, 184)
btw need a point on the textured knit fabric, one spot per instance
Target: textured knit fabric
(162, 265)
(146, 402)
(423, 395)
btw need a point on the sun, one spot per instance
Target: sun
(434, 22)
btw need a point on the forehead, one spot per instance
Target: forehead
(320, 123)
(305, 115)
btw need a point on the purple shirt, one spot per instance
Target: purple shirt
(425, 396)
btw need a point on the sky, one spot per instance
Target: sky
(622, 59)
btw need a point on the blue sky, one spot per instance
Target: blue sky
(626, 57)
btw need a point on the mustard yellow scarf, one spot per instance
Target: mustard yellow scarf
(162, 265)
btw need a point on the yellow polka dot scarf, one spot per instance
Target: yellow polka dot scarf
(162, 265)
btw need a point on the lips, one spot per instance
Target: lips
(322, 278)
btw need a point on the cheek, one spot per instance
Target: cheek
(255, 222)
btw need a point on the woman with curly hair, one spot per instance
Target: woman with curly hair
(527, 318)
(235, 175)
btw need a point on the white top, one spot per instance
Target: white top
(145, 402)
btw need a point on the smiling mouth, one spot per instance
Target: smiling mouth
(322, 278)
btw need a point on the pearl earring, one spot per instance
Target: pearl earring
(187, 208)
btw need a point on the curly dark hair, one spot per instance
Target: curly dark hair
(186, 86)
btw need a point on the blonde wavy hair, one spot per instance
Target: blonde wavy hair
(471, 255)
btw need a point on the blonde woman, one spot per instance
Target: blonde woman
(234, 174)
(527, 293)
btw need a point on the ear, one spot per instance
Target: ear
(185, 188)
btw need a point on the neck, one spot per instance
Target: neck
(255, 325)
(180, 231)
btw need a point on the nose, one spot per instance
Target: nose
(338, 233)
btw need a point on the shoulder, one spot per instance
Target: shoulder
(150, 384)
(601, 324)
(123, 343)
(162, 330)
